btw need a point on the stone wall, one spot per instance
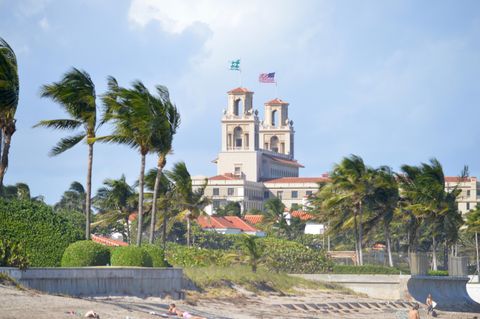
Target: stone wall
(102, 281)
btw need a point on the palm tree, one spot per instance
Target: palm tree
(163, 146)
(274, 215)
(76, 95)
(138, 123)
(9, 95)
(72, 199)
(189, 202)
(115, 201)
(473, 226)
(253, 249)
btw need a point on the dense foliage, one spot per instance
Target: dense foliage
(13, 255)
(291, 257)
(43, 233)
(130, 256)
(156, 254)
(86, 253)
(184, 256)
(365, 269)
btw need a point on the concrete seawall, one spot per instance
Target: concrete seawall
(102, 281)
(390, 287)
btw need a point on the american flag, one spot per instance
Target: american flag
(267, 77)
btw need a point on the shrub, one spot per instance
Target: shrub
(365, 269)
(13, 255)
(43, 233)
(131, 256)
(156, 254)
(85, 253)
(437, 273)
(184, 256)
(292, 257)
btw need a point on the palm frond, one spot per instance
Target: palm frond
(61, 124)
(66, 144)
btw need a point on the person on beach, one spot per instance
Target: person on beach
(413, 313)
(172, 310)
(430, 305)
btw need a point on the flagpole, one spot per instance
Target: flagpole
(276, 89)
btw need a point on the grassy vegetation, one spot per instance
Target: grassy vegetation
(437, 273)
(212, 277)
(365, 269)
(9, 281)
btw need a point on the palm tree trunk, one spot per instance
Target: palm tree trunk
(355, 233)
(164, 234)
(140, 200)
(478, 262)
(360, 236)
(388, 241)
(434, 254)
(4, 159)
(88, 195)
(160, 165)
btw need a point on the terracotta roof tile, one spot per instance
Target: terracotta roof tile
(456, 179)
(288, 180)
(224, 177)
(253, 219)
(301, 214)
(217, 222)
(107, 241)
(240, 90)
(276, 101)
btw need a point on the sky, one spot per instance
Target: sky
(395, 82)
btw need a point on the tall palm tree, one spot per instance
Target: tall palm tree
(274, 215)
(163, 146)
(189, 202)
(73, 199)
(76, 95)
(115, 201)
(137, 119)
(9, 96)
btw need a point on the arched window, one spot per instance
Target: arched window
(274, 118)
(237, 136)
(274, 144)
(237, 107)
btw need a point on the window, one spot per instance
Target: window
(266, 194)
(216, 203)
(230, 191)
(246, 140)
(309, 193)
(274, 144)
(238, 170)
(216, 192)
(468, 193)
(280, 194)
(294, 194)
(237, 136)
(468, 206)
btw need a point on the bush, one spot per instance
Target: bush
(85, 253)
(131, 256)
(184, 256)
(214, 240)
(292, 257)
(437, 273)
(365, 269)
(156, 254)
(13, 255)
(43, 233)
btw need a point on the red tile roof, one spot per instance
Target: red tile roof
(298, 180)
(107, 241)
(301, 214)
(240, 90)
(253, 219)
(225, 177)
(217, 222)
(456, 179)
(132, 217)
(284, 161)
(276, 101)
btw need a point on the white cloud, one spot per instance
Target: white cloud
(43, 23)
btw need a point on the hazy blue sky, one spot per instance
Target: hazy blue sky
(392, 81)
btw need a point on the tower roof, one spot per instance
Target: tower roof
(240, 90)
(276, 101)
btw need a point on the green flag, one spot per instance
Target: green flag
(235, 65)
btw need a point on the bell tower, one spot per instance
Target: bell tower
(276, 131)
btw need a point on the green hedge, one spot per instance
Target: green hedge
(13, 255)
(86, 253)
(183, 256)
(156, 254)
(292, 257)
(365, 269)
(437, 273)
(130, 256)
(43, 233)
